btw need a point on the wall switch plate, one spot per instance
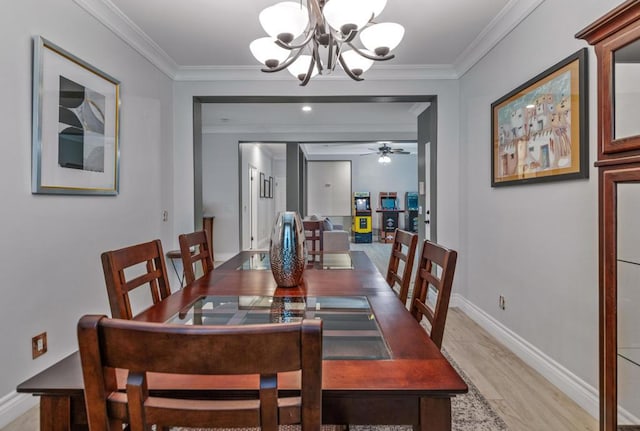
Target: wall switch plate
(39, 345)
(501, 302)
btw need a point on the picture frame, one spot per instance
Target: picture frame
(262, 186)
(271, 187)
(75, 126)
(539, 131)
(266, 187)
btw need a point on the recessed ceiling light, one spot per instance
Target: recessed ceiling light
(306, 108)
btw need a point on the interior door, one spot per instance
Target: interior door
(252, 208)
(427, 172)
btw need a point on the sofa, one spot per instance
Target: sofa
(334, 238)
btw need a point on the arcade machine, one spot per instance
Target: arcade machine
(362, 232)
(388, 210)
(411, 211)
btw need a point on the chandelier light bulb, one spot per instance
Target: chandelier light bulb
(285, 21)
(346, 15)
(267, 52)
(356, 63)
(382, 38)
(300, 67)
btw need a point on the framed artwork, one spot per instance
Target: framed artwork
(539, 131)
(266, 187)
(263, 192)
(271, 187)
(75, 147)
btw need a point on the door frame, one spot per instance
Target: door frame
(433, 139)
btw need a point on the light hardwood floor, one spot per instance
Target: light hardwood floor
(524, 399)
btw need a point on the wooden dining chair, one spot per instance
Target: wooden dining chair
(140, 348)
(313, 235)
(432, 288)
(195, 248)
(403, 250)
(151, 271)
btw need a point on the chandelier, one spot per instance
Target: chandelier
(314, 39)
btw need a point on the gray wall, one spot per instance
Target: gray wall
(51, 245)
(534, 244)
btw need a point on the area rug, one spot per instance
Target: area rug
(469, 412)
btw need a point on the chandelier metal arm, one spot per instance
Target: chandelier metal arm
(284, 65)
(316, 56)
(371, 57)
(315, 12)
(347, 70)
(302, 44)
(307, 77)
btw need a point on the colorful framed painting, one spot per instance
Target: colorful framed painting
(75, 147)
(539, 131)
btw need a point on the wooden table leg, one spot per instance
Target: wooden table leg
(55, 413)
(435, 414)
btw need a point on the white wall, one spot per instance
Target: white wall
(51, 245)
(400, 176)
(534, 244)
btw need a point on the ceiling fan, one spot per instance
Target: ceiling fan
(384, 151)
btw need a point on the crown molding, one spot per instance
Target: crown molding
(115, 20)
(253, 73)
(500, 26)
(247, 129)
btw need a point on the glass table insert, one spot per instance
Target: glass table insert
(350, 330)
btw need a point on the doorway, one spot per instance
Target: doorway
(431, 133)
(251, 209)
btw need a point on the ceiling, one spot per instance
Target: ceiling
(213, 36)
(218, 32)
(209, 40)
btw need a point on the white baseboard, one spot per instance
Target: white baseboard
(13, 405)
(585, 395)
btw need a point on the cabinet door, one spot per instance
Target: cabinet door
(619, 58)
(621, 295)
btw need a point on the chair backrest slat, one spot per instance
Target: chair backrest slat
(140, 347)
(194, 248)
(114, 264)
(403, 249)
(427, 279)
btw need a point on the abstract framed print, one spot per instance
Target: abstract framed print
(75, 145)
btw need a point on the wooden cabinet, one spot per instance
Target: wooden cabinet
(616, 37)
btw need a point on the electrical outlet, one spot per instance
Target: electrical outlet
(501, 302)
(39, 345)
(165, 215)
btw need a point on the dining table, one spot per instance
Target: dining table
(379, 365)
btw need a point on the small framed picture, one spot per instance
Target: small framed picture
(263, 193)
(271, 187)
(75, 132)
